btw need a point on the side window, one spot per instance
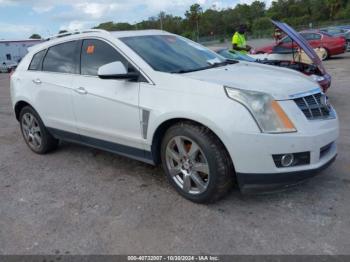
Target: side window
(8, 56)
(316, 37)
(286, 40)
(36, 61)
(96, 53)
(307, 36)
(62, 58)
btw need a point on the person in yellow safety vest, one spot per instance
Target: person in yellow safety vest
(239, 42)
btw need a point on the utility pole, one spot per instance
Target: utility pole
(197, 29)
(161, 16)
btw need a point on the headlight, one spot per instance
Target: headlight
(267, 112)
(317, 78)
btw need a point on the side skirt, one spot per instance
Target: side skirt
(131, 152)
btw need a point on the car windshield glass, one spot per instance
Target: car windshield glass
(173, 54)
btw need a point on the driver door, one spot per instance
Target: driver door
(107, 110)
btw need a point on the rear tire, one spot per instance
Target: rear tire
(34, 132)
(196, 163)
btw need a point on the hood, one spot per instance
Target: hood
(302, 43)
(281, 83)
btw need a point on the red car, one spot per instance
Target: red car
(332, 45)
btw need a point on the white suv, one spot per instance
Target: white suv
(161, 98)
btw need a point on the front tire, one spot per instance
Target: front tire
(325, 55)
(34, 132)
(196, 163)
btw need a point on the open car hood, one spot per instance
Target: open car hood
(302, 43)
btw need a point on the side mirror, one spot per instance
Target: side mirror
(116, 70)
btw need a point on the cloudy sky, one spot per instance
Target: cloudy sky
(21, 18)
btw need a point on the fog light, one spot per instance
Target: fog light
(287, 160)
(291, 159)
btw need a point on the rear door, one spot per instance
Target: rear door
(52, 85)
(107, 110)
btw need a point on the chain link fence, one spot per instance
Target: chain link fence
(268, 33)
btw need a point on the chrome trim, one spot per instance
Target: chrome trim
(307, 93)
(309, 104)
(144, 122)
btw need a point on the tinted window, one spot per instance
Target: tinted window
(96, 53)
(36, 61)
(62, 58)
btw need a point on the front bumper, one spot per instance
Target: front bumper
(253, 153)
(255, 183)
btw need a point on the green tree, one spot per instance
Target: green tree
(334, 7)
(110, 26)
(35, 36)
(213, 21)
(193, 16)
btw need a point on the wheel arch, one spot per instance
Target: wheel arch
(165, 125)
(19, 106)
(328, 53)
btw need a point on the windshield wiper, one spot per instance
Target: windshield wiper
(183, 71)
(224, 63)
(213, 65)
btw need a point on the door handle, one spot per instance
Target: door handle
(37, 81)
(81, 91)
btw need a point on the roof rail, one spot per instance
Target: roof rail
(75, 32)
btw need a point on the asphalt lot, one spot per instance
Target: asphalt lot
(79, 200)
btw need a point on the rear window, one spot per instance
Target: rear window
(62, 58)
(36, 61)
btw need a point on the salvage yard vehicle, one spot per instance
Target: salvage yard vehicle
(161, 98)
(333, 45)
(7, 67)
(324, 80)
(303, 59)
(338, 31)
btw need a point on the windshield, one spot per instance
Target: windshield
(232, 54)
(173, 54)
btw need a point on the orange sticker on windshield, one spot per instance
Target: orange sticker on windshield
(90, 49)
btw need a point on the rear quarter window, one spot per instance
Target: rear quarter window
(35, 64)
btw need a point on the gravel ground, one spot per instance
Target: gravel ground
(79, 200)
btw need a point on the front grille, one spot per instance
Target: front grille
(312, 107)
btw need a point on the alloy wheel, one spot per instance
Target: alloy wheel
(187, 165)
(31, 131)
